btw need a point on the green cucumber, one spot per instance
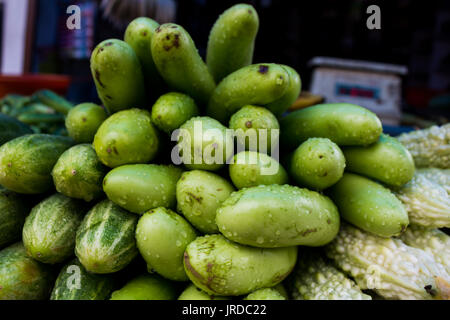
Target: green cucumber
(26, 162)
(79, 174)
(50, 229)
(21, 277)
(118, 76)
(105, 240)
(232, 40)
(179, 63)
(343, 123)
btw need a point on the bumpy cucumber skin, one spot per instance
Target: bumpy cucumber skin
(92, 286)
(279, 106)
(317, 163)
(11, 128)
(21, 277)
(127, 137)
(278, 216)
(232, 41)
(247, 170)
(142, 187)
(343, 123)
(221, 267)
(387, 161)
(79, 174)
(146, 287)
(194, 293)
(105, 240)
(118, 76)
(139, 35)
(369, 206)
(173, 109)
(162, 236)
(83, 121)
(14, 209)
(256, 84)
(50, 229)
(179, 63)
(253, 119)
(26, 162)
(208, 142)
(199, 194)
(265, 294)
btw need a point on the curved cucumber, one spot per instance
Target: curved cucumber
(343, 123)
(232, 41)
(387, 161)
(118, 75)
(179, 63)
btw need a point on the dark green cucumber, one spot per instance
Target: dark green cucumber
(13, 210)
(21, 277)
(26, 162)
(11, 128)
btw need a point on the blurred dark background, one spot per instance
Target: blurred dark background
(415, 34)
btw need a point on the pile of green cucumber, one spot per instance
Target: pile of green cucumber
(322, 204)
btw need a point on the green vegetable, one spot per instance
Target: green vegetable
(79, 174)
(387, 265)
(141, 187)
(199, 194)
(11, 128)
(179, 63)
(139, 35)
(50, 229)
(83, 121)
(74, 282)
(278, 216)
(343, 123)
(254, 126)
(221, 267)
(439, 176)
(146, 287)
(172, 110)
(194, 293)
(118, 76)
(204, 143)
(232, 40)
(279, 106)
(26, 162)
(316, 279)
(251, 169)
(387, 161)
(105, 240)
(13, 210)
(429, 147)
(257, 84)
(427, 203)
(33, 118)
(162, 236)
(317, 163)
(433, 241)
(127, 137)
(369, 205)
(21, 277)
(265, 294)
(53, 100)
